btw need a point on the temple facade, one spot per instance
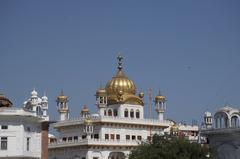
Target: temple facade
(116, 129)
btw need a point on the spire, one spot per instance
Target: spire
(120, 58)
(159, 92)
(61, 94)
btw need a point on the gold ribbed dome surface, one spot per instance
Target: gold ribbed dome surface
(120, 84)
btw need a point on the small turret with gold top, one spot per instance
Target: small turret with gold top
(160, 105)
(101, 100)
(62, 104)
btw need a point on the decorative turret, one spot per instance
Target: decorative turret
(62, 104)
(37, 105)
(160, 105)
(85, 112)
(44, 104)
(101, 100)
(208, 120)
(88, 130)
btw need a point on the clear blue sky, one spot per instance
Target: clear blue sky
(189, 49)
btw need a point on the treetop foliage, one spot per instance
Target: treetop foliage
(167, 147)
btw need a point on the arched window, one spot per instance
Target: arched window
(109, 112)
(137, 113)
(234, 121)
(126, 113)
(132, 113)
(39, 110)
(105, 112)
(115, 112)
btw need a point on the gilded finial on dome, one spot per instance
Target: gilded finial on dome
(120, 58)
(141, 94)
(61, 94)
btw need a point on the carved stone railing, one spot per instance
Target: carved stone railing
(107, 119)
(94, 142)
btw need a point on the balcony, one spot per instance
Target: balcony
(230, 130)
(119, 120)
(93, 142)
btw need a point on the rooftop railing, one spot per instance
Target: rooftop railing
(113, 119)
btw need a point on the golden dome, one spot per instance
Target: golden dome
(84, 109)
(120, 89)
(4, 101)
(160, 98)
(119, 83)
(62, 97)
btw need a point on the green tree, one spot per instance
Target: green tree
(168, 147)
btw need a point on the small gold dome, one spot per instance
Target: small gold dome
(160, 98)
(84, 109)
(101, 91)
(141, 94)
(62, 97)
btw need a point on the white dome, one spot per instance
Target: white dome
(34, 93)
(44, 98)
(207, 114)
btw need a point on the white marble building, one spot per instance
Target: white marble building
(21, 129)
(117, 128)
(223, 132)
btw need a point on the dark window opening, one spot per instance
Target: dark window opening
(64, 139)
(115, 112)
(69, 138)
(75, 138)
(126, 113)
(132, 114)
(109, 112)
(96, 136)
(139, 137)
(3, 143)
(112, 136)
(28, 143)
(133, 137)
(118, 137)
(106, 136)
(137, 114)
(4, 127)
